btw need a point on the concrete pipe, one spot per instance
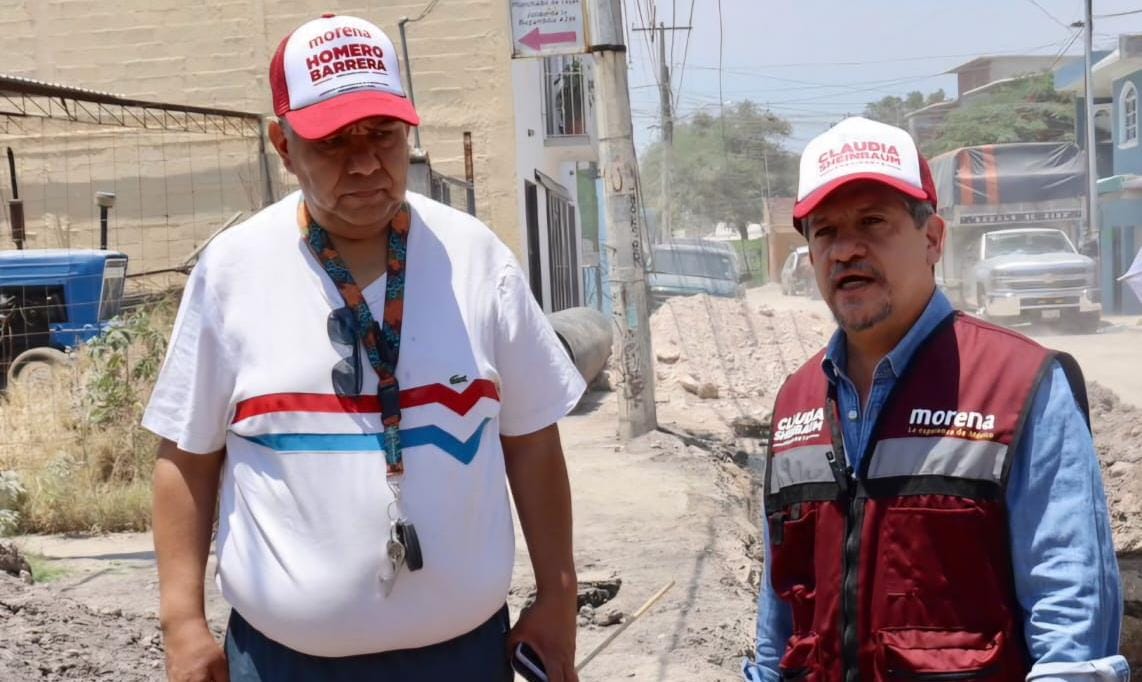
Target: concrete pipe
(587, 338)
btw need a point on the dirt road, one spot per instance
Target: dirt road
(654, 511)
(660, 508)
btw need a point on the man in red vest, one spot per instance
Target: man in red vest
(933, 499)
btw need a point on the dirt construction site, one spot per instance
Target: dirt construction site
(677, 509)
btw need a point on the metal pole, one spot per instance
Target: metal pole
(667, 132)
(12, 173)
(1091, 151)
(264, 164)
(408, 73)
(103, 228)
(469, 173)
(624, 238)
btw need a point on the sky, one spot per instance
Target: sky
(813, 61)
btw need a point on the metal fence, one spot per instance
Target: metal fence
(153, 180)
(457, 193)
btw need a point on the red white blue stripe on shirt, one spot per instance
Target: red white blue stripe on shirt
(325, 418)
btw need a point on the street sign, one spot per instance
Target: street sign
(541, 28)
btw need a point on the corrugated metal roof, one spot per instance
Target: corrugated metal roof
(18, 85)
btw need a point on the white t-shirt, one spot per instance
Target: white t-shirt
(304, 503)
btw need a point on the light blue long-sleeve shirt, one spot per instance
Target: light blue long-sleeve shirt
(1066, 573)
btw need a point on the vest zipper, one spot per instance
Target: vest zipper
(850, 561)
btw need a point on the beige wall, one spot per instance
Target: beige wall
(216, 53)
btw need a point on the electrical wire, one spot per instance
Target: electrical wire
(685, 54)
(916, 58)
(1066, 47)
(425, 12)
(1050, 16)
(1118, 14)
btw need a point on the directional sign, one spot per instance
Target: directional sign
(547, 27)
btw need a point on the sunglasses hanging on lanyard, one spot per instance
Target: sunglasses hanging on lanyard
(381, 342)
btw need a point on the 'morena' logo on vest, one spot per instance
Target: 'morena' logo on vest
(974, 425)
(800, 427)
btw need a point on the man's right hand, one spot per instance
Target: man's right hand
(193, 655)
(186, 490)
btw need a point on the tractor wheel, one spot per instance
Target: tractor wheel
(35, 365)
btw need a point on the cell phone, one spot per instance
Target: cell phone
(528, 664)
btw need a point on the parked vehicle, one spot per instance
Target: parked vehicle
(797, 276)
(685, 268)
(1013, 215)
(1034, 273)
(51, 301)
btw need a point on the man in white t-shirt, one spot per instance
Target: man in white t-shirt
(276, 393)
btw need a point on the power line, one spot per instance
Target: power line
(647, 38)
(1050, 16)
(918, 58)
(685, 54)
(1118, 14)
(673, 21)
(1065, 48)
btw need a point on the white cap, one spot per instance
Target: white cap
(334, 71)
(860, 149)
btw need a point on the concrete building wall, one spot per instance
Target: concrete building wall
(216, 53)
(533, 155)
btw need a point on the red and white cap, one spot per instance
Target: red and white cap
(334, 71)
(860, 149)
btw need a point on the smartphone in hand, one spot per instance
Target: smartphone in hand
(528, 664)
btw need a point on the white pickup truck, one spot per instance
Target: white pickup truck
(1032, 274)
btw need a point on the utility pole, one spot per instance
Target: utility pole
(1091, 151)
(624, 238)
(666, 97)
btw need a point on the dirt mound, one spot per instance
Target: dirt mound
(742, 350)
(49, 637)
(1117, 436)
(745, 350)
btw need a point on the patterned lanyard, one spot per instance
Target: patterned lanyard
(381, 341)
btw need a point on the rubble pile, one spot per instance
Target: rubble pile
(49, 637)
(728, 349)
(738, 352)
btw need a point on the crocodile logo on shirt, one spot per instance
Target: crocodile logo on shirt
(458, 379)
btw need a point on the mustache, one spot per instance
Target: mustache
(854, 268)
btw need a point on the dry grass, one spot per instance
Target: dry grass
(75, 443)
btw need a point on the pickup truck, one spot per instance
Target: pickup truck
(1033, 274)
(1013, 214)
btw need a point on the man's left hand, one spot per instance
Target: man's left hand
(548, 626)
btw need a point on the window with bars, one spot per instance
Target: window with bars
(565, 96)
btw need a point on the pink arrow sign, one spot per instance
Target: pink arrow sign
(536, 39)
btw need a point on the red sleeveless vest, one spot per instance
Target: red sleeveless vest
(902, 570)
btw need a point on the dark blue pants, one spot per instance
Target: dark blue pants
(478, 656)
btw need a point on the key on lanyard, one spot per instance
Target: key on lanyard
(401, 550)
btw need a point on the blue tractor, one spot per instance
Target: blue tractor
(52, 300)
